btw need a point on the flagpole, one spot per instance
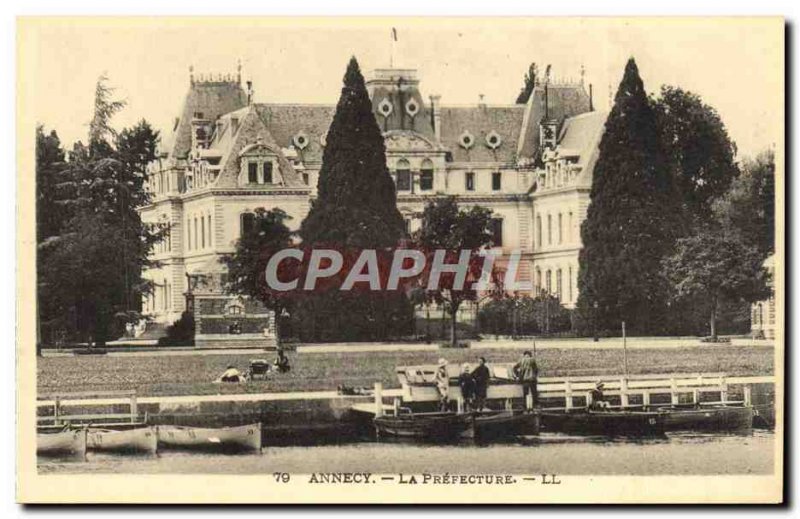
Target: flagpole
(391, 55)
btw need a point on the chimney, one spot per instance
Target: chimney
(436, 116)
(249, 92)
(481, 102)
(591, 105)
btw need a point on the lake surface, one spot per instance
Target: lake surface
(675, 454)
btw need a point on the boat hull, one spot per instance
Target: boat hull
(718, 418)
(503, 424)
(66, 443)
(428, 426)
(143, 440)
(241, 438)
(607, 423)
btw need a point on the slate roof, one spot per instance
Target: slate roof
(480, 121)
(213, 99)
(285, 121)
(582, 133)
(563, 101)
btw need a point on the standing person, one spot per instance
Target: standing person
(443, 385)
(527, 372)
(467, 384)
(481, 378)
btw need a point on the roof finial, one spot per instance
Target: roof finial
(239, 71)
(191, 74)
(583, 73)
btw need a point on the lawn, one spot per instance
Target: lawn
(183, 375)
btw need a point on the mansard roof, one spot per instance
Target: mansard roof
(285, 121)
(562, 101)
(479, 121)
(211, 98)
(580, 135)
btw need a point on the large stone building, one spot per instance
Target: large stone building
(228, 155)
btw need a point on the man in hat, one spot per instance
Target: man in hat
(527, 372)
(598, 399)
(443, 385)
(481, 376)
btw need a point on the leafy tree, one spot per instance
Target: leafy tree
(528, 86)
(247, 265)
(524, 315)
(697, 143)
(50, 163)
(629, 226)
(717, 267)
(90, 273)
(446, 227)
(355, 209)
(748, 208)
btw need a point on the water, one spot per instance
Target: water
(675, 454)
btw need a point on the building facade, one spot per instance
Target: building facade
(762, 313)
(228, 155)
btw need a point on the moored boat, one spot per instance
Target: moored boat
(707, 418)
(495, 425)
(70, 442)
(423, 426)
(608, 423)
(239, 438)
(141, 439)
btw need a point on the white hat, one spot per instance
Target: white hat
(442, 362)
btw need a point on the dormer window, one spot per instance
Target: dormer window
(267, 170)
(252, 172)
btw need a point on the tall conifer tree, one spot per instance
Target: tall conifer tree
(356, 208)
(629, 226)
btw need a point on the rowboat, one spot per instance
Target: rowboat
(142, 439)
(710, 418)
(239, 438)
(608, 423)
(423, 426)
(502, 424)
(71, 442)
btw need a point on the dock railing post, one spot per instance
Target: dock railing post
(378, 399)
(134, 408)
(623, 392)
(723, 394)
(674, 391)
(748, 395)
(529, 401)
(646, 397)
(56, 411)
(568, 395)
(459, 404)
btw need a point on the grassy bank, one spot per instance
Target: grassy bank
(182, 375)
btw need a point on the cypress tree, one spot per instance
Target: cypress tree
(356, 203)
(629, 227)
(355, 208)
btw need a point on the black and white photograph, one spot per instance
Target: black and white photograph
(401, 260)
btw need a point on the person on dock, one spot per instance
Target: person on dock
(443, 385)
(599, 401)
(231, 374)
(481, 376)
(527, 372)
(467, 384)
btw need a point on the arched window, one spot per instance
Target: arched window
(549, 229)
(569, 284)
(426, 175)
(209, 231)
(548, 282)
(560, 229)
(403, 174)
(538, 281)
